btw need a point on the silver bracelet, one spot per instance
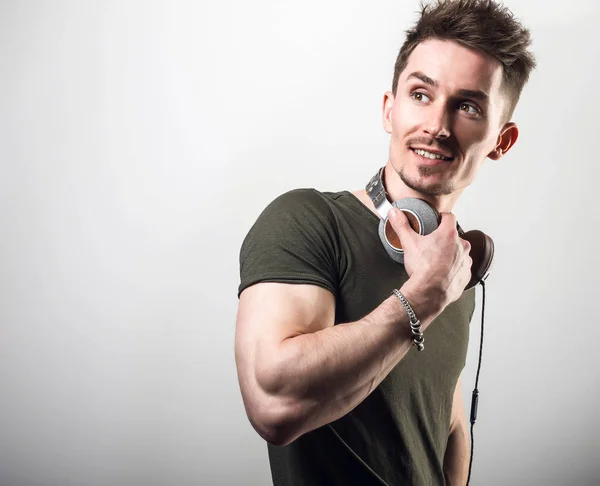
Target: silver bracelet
(415, 324)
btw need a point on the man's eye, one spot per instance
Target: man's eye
(420, 97)
(469, 108)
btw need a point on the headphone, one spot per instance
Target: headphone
(424, 219)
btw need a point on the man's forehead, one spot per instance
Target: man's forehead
(455, 66)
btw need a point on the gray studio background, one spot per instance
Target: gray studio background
(138, 143)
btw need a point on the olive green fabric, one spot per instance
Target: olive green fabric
(400, 431)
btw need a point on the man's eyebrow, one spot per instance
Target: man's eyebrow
(467, 93)
(423, 77)
(477, 94)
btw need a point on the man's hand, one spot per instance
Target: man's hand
(438, 264)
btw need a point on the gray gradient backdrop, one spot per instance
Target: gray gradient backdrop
(140, 140)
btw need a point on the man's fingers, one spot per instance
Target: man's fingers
(448, 221)
(466, 245)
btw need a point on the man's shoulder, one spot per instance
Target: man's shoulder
(308, 209)
(309, 195)
(313, 202)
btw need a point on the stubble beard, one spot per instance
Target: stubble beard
(431, 189)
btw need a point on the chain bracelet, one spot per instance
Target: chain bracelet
(415, 324)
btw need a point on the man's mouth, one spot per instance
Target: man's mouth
(430, 155)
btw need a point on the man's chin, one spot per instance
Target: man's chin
(427, 184)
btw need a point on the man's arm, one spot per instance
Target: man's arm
(297, 371)
(456, 460)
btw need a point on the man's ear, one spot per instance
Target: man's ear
(507, 138)
(388, 102)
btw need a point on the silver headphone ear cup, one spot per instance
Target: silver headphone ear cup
(396, 255)
(429, 218)
(426, 217)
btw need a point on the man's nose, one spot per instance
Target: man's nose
(438, 122)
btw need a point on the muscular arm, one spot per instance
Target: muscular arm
(298, 371)
(456, 460)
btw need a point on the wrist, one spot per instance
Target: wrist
(424, 303)
(415, 323)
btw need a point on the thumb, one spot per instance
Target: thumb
(398, 229)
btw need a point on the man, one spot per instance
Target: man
(326, 363)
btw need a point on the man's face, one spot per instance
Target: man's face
(448, 103)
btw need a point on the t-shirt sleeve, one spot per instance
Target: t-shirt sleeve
(292, 241)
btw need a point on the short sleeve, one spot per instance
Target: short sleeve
(294, 240)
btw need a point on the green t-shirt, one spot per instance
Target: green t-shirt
(400, 431)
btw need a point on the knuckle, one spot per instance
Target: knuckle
(451, 218)
(400, 220)
(397, 225)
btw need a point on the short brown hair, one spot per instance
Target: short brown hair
(478, 24)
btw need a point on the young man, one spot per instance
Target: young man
(326, 366)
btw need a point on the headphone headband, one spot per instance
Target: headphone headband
(376, 191)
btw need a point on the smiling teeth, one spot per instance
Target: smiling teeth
(429, 155)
